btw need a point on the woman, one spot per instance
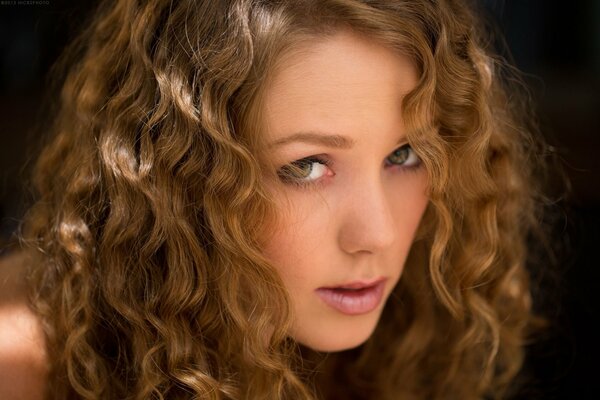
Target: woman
(280, 200)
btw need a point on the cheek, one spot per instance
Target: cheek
(296, 242)
(411, 204)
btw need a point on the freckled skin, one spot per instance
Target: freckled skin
(359, 222)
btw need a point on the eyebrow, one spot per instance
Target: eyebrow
(324, 139)
(314, 137)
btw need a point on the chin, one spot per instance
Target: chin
(336, 339)
(336, 347)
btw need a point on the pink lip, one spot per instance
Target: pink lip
(364, 299)
(357, 284)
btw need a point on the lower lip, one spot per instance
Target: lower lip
(353, 302)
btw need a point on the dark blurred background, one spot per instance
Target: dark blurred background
(555, 43)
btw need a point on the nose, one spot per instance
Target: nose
(368, 223)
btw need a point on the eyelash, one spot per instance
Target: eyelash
(288, 178)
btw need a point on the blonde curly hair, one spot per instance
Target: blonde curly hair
(148, 274)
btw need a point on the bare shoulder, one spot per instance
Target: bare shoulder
(23, 361)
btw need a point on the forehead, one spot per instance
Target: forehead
(345, 76)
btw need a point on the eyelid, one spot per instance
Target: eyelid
(321, 159)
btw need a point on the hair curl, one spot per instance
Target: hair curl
(148, 273)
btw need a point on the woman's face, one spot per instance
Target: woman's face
(349, 215)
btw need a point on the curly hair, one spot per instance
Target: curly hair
(148, 273)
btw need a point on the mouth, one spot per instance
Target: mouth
(354, 298)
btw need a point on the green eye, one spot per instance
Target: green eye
(301, 170)
(404, 156)
(399, 156)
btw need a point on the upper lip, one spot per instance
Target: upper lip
(357, 284)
